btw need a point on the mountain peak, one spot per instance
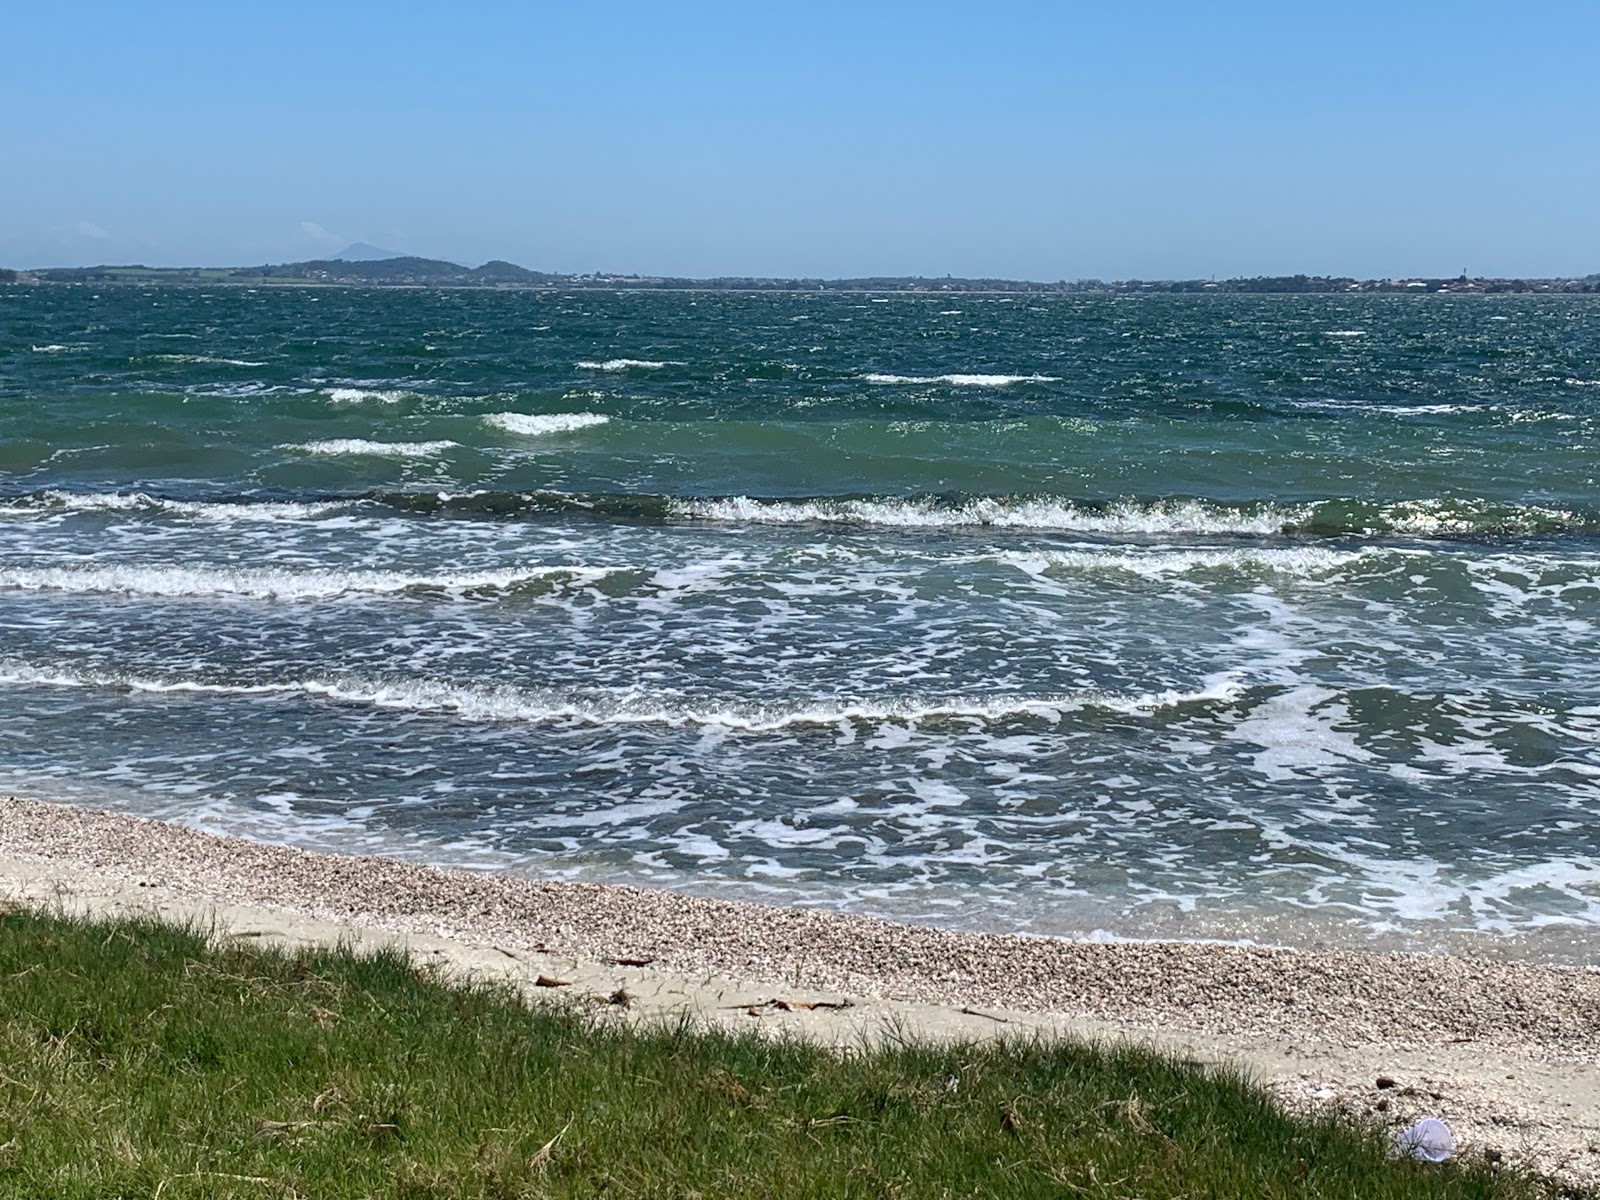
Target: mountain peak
(362, 252)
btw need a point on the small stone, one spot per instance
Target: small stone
(1384, 1081)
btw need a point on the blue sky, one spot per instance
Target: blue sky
(1041, 140)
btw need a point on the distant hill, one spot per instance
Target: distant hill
(363, 252)
(400, 269)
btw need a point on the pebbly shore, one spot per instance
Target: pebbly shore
(1346, 996)
(1507, 1050)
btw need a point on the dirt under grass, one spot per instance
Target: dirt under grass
(141, 1060)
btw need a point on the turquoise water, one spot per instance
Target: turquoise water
(1221, 616)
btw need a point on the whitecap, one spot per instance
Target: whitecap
(206, 358)
(356, 395)
(340, 446)
(961, 380)
(1393, 410)
(628, 364)
(539, 424)
(1168, 517)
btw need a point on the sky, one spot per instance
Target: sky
(1026, 140)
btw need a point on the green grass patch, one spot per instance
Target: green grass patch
(140, 1060)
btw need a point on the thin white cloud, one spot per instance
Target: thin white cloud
(89, 229)
(317, 233)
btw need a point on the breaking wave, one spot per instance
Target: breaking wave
(1129, 517)
(50, 503)
(1049, 513)
(539, 424)
(533, 706)
(167, 582)
(356, 395)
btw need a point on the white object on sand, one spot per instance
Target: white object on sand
(1428, 1140)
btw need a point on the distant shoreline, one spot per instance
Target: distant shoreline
(424, 273)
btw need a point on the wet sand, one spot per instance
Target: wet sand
(1508, 1053)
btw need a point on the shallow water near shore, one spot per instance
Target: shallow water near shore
(1269, 618)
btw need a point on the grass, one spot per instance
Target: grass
(141, 1060)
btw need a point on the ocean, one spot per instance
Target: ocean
(1269, 618)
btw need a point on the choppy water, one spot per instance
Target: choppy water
(1218, 616)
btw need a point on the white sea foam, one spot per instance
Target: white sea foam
(628, 364)
(961, 380)
(1395, 410)
(510, 704)
(54, 503)
(1347, 333)
(539, 424)
(57, 348)
(1441, 518)
(356, 395)
(338, 446)
(1170, 517)
(165, 581)
(206, 358)
(1306, 562)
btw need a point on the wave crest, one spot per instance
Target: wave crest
(53, 503)
(628, 364)
(533, 706)
(170, 582)
(357, 395)
(1122, 517)
(332, 447)
(540, 424)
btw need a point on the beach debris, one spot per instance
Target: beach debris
(1384, 1082)
(546, 982)
(779, 1005)
(1429, 1140)
(973, 1012)
(632, 962)
(808, 1005)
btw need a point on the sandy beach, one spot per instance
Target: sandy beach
(1506, 1053)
